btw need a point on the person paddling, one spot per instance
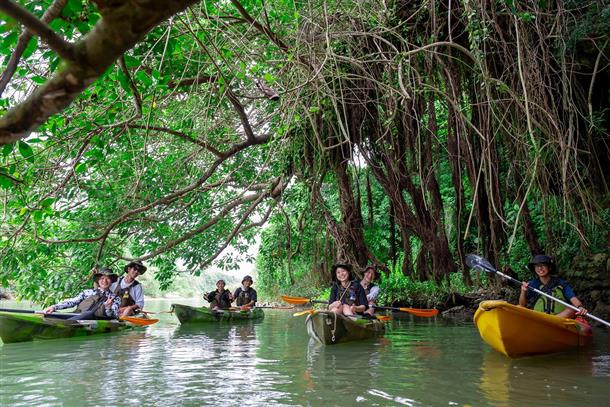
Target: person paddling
(245, 296)
(96, 303)
(220, 298)
(347, 297)
(546, 281)
(370, 289)
(130, 290)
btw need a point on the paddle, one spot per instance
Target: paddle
(415, 311)
(477, 262)
(66, 315)
(300, 300)
(307, 311)
(139, 321)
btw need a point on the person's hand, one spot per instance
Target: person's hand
(582, 311)
(335, 304)
(245, 308)
(524, 286)
(352, 308)
(108, 302)
(49, 310)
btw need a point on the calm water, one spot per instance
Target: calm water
(420, 362)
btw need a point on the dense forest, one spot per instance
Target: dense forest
(393, 132)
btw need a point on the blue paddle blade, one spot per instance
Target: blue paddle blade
(474, 261)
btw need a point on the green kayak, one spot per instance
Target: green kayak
(329, 328)
(187, 314)
(21, 327)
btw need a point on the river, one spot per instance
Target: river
(419, 362)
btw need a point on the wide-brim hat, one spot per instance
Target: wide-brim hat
(542, 259)
(138, 265)
(376, 272)
(247, 278)
(348, 267)
(105, 272)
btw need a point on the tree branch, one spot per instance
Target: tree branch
(180, 135)
(63, 48)
(137, 99)
(52, 12)
(192, 81)
(241, 112)
(123, 24)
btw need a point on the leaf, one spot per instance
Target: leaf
(38, 79)
(32, 46)
(26, 151)
(75, 6)
(144, 78)
(47, 202)
(80, 168)
(131, 62)
(7, 149)
(5, 182)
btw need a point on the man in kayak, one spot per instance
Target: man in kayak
(96, 303)
(347, 297)
(546, 281)
(245, 296)
(129, 290)
(220, 298)
(371, 290)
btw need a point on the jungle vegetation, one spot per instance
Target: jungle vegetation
(404, 133)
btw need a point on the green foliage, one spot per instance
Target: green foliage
(100, 182)
(395, 287)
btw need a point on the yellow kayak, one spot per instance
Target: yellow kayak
(517, 331)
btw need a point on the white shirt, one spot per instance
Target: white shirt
(373, 294)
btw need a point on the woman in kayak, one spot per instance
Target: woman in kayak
(96, 303)
(245, 296)
(219, 298)
(371, 290)
(546, 281)
(129, 290)
(347, 297)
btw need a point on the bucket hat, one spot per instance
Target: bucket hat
(138, 265)
(105, 271)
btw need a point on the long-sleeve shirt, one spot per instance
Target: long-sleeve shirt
(111, 312)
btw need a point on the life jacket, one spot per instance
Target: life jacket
(348, 295)
(126, 299)
(367, 290)
(90, 303)
(220, 299)
(243, 297)
(548, 306)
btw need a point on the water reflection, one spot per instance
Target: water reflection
(419, 362)
(545, 380)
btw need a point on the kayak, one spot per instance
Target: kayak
(188, 314)
(517, 331)
(329, 328)
(21, 327)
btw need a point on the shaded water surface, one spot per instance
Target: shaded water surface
(419, 362)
